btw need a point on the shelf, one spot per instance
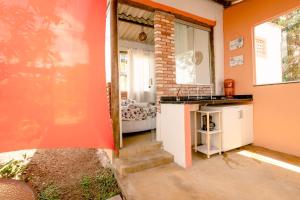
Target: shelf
(203, 149)
(210, 132)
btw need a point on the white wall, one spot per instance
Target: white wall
(173, 131)
(213, 11)
(268, 67)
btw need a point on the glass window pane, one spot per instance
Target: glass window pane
(277, 49)
(123, 71)
(202, 57)
(184, 54)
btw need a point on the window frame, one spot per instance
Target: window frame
(254, 84)
(211, 53)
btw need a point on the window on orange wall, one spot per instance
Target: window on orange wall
(277, 49)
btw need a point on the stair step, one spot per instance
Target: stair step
(140, 149)
(141, 162)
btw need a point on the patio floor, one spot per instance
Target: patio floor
(248, 173)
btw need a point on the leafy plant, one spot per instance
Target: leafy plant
(13, 168)
(291, 30)
(86, 187)
(51, 192)
(107, 183)
(99, 187)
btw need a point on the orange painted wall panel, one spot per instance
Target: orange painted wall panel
(276, 107)
(52, 74)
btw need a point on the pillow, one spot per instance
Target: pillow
(127, 102)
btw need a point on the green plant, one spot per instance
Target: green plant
(50, 192)
(107, 183)
(13, 168)
(99, 187)
(86, 187)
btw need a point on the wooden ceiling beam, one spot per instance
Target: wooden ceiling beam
(225, 3)
(136, 23)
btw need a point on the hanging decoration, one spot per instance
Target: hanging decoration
(142, 35)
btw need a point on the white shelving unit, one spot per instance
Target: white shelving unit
(237, 125)
(208, 148)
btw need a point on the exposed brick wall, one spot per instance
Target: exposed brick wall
(165, 67)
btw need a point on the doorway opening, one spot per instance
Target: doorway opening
(137, 75)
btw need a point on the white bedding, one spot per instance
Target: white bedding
(138, 125)
(137, 117)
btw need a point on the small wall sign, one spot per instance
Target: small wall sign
(236, 44)
(236, 61)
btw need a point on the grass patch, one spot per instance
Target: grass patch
(99, 187)
(50, 192)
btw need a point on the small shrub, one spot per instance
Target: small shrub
(100, 187)
(51, 192)
(107, 183)
(86, 187)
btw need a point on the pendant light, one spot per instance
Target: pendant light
(142, 35)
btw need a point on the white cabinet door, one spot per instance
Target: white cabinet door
(232, 127)
(237, 125)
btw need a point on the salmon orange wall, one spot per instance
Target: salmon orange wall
(52, 76)
(276, 107)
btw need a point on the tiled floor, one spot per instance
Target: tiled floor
(250, 173)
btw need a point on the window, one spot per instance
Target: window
(277, 49)
(192, 54)
(123, 71)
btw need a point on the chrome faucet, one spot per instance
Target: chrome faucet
(211, 90)
(188, 90)
(177, 95)
(197, 93)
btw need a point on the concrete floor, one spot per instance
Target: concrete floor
(138, 138)
(230, 176)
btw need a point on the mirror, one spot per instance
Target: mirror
(192, 55)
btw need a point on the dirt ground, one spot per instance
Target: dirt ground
(64, 168)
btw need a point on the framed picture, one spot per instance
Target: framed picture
(236, 60)
(236, 44)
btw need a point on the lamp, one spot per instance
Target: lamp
(142, 35)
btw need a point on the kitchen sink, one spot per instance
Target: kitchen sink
(181, 99)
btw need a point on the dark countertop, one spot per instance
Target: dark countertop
(217, 99)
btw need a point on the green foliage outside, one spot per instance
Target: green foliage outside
(291, 60)
(51, 192)
(99, 187)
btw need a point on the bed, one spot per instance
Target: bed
(137, 117)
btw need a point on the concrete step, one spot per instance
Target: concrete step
(140, 149)
(137, 163)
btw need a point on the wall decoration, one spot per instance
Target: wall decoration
(198, 57)
(236, 60)
(236, 44)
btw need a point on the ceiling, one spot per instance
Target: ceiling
(227, 3)
(131, 22)
(131, 32)
(132, 19)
